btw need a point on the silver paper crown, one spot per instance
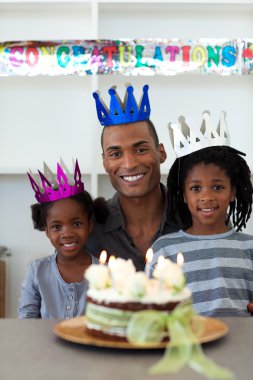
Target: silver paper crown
(187, 138)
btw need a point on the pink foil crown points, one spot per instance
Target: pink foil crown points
(49, 193)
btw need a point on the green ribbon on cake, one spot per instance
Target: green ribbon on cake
(184, 328)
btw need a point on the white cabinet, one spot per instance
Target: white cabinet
(43, 118)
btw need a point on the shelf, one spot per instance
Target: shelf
(157, 3)
(46, 21)
(35, 2)
(130, 3)
(49, 6)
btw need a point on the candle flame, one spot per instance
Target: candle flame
(103, 257)
(180, 259)
(111, 262)
(149, 255)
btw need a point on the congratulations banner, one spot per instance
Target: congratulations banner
(127, 57)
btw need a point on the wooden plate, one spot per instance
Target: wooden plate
(73, 330)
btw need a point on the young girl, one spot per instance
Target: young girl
(54, 286)
(206, 189)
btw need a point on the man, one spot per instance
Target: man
(131, 156)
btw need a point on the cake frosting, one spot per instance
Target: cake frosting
(117, 292)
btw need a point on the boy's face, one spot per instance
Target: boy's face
(67, 227)
(208, 192)
(131, 159)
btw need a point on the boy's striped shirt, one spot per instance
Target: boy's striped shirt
(218, 269)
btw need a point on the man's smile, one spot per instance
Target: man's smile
(132, 178)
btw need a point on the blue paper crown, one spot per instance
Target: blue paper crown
(123, 113)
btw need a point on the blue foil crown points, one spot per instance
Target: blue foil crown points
(123, 113)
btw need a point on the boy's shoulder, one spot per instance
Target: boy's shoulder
(182, 237)
(170, 238)
(242, 236)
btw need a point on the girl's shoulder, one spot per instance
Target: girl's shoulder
(43, 261)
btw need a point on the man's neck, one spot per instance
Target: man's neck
(143, 217)
(136, 209)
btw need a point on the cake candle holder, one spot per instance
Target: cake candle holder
(160, 262)
(160, 265)
(180, 259)
(149, 258)
(111, 262)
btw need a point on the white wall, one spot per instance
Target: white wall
(56, 116)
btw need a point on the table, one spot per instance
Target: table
(29, 350)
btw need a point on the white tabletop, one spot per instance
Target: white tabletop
(29, 350)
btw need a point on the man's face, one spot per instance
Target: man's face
(131, 159)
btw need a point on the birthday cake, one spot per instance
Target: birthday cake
(117, 294)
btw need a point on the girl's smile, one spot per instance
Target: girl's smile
(67, 227)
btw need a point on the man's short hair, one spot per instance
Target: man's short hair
(151, 128)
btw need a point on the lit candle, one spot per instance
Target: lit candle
(180, 259)
(111, 262)
(103, 257)
(149, 257)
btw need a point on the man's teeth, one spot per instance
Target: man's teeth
(133, 178)
(69, 245)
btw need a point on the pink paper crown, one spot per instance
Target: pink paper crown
(58, 186)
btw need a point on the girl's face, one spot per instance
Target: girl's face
(68, 227)
(208, 192)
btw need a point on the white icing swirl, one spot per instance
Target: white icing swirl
(98, 276)
(169, 274)
(136, 285)
(120, 271)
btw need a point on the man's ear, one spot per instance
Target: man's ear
(162, 153)
(104, 162)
